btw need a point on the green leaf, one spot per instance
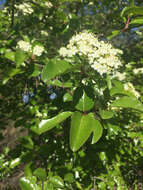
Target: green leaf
(97, 131)
(68, 84)
(131, 2)
(56, 83)
(81, 128)
(114, 33)
(85, 103)
(137, 21)
(128, 102)
(106, 114)
(46, 125)
(40, 173)
(89, 187)
(102, 185)
(27, 142)
(10, 74)
(49, 186)
(109, 83)
(69, 177)
(15, 162)
(20, 57)
(113, 129)
(10, 55)
(27, 170)
(133, 10)
(53, 68)
(36, 71)
(102, 156)
(57, 181)
(28, 183)
(118, 88)
(67, 97)
(79, 185)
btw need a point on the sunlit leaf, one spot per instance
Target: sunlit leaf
(137, 21)
(114, 33)
(128, 102)
(106, 114)
(57, 181)
(40, 173)
(81, 128)
(10, 55)
(84, 102)
(20, 57)
(97, 131)
(133, 10)
(53, 68)
(28, 183)
(46, 125)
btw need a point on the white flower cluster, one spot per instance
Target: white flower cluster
(101, 55)
(25, 8)
(38, 50)
(129, 87)
(44, 33)
(27, 47)
(138, 70)
(120, 76)
(48, 4)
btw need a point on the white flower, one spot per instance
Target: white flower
(38, 50)
(45, 33)
(63, 52)
(138, 70)
(129, 87)
(76, 174)
(25, 8)
(25, 46)
(101, 56)
(48, 4)
(120, 76)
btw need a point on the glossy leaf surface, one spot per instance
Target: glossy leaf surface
(97, 131)
(28, 183)
(134, 10)
(137, 21)
(20, 57)
(40, 173)
(53, 68)
(46, 125)
(81, 128)
(57, 181)
(128, 102)
(10, 55)
(85, 103)
(106, 114)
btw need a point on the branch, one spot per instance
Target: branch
(126, 25)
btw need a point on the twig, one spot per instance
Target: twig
(99, 178)
(94, 183)
(126, 25)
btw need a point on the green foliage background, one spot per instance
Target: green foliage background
(52, 155)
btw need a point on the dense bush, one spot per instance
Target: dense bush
(71, 95)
